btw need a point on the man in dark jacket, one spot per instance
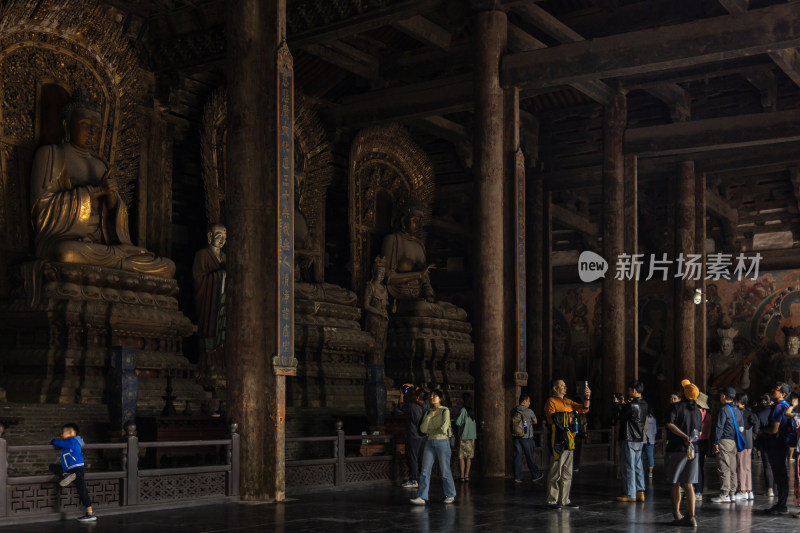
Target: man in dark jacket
(632, 415)
(523, 444)
(415, 439)
(729, 423)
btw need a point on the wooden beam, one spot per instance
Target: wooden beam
(763, 79)
(720, 207)
(521, 41)
(677, 99)
(714, 134)
(425, 31)
(341, 55)
(450, 131)
(682, 45)
(789, 62)
(735, 6)
(574, 221)
(368, 20)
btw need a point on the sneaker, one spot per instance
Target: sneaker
(538, 477)
(688, 521)
(517, 481)
(410, 485)
(698, 497)
(740, 496)
(750, 496)
(722, 498)
(576, 470)
(650, 475)
(87, 518)
(417, 501)
(67, 479)
(770, 494)
(571, 505)
(553, 506)
(449, 500)
(777, 511)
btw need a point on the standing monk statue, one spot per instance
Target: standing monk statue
(208, 274)
(77, 212)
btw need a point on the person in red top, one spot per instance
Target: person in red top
(557, 411)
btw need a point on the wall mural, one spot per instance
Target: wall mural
(577, 334)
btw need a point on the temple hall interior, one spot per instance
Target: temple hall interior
(322, 265)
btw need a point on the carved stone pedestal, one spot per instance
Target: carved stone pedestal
(431, 352)
(331, 349)
(57, 350)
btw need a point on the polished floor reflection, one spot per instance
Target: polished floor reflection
(495, 505)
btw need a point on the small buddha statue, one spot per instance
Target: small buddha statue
(725, 368)
(208, 274)
(77, 212)
(407, 271)
(786, 364)
(376, 302)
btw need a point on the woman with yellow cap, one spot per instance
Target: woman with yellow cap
(684, 425)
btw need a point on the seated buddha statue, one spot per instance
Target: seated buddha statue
(407, 271)
(77, 212)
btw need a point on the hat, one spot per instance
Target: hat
(702, 400)
(729, 393)
(690, 391)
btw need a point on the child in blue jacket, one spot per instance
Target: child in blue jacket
(71, 467)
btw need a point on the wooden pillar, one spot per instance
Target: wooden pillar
(154, 224)
(536, 320)
(547, 296)
(256, 167)
(489, 42)
(631, 285)
(700, 310)
(613, 244)
(684, 288)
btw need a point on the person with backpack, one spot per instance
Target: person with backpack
(773, 442)
(728, 441)
(744, 458)
(558, 411)
(467, 432)
(522, 421)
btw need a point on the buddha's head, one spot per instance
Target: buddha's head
(82, 122)
(411, 217)
(726, 345)
(217, 236)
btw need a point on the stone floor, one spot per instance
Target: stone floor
(494, 505)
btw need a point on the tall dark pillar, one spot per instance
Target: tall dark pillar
(489, 42)
(613, 246)
(254, 32)
(700, 310)
(632, 285)
(684, 288)
(536, 319)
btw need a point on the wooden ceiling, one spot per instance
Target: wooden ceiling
(714, 81)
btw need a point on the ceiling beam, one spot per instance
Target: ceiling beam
(368, 20)
(677, 99)
(681, 45)
(735, 7)
(763, 79)
(346, 57)
(721, 208)
(425, 31)
(574, 221)
(521, 41)
(450, 131)
(713, 134)
(594, 89)
(789, 62)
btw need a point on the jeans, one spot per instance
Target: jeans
(649, 450)
(777, 460)
(80, 482)
(414, 448)
(436, 450)
(523, 446)
(632, 469)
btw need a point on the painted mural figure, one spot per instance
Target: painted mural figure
(77, 212)
(407, 270)
(725, 368)
(786, 364)
(208, 275)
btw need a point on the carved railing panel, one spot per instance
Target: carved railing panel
(181, 487)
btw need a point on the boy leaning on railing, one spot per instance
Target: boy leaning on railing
(71, 467)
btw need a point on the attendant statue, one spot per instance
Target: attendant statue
(786, 364)
(725, 368)
(407, 270)
(376, 301)
(77, 212)
(208, 274)
(306, 284)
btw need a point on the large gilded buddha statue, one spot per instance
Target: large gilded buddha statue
(77, 212)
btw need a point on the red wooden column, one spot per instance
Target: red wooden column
(631, 285)
(258, 230)
(685, 229)
(536, 318)
(700, 310)
(613, 246)
(489, 43)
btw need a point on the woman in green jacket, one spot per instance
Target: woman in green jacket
(436, 425)
(467, 432)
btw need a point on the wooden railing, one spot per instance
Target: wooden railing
(34, 496)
